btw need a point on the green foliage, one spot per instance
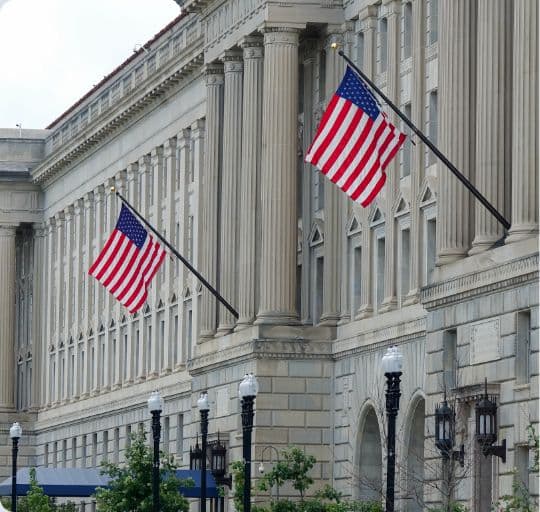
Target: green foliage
(37, 501)
(453, 507)
(130, 485)
(237, 470)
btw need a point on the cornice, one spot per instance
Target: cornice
(508, 275)
(147, 93)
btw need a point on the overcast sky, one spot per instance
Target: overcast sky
(53, 51)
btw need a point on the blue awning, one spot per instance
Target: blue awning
(82, 482)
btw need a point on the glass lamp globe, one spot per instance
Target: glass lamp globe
(392, 361)
(15, 432)
(155, 402)
(248, 386)
(202, 402)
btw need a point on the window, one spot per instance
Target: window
(319, 287)
(431, 248)
(83, 451)
(523, 347)
(433, 33)
(449, 359)
(116, 447)
(404, 263)
(383, 45)
(380, 249)
(73, 452)
(166, 427)
(94, 449)
(433, 124)
(179, 437)
(360, 49)
(188, 328)
(521, 463)
(407, 30)
(105, 450)
(407, 145)
(322, 75)
(356, 281)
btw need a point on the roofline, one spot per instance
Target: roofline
(167, 27)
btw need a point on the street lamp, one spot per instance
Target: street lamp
(392, 364)
(15, 432)
(204, 407)
(247, 391)
(486, 427)
(195, 456)
(445, 424)
(218, 467)
(155, 406)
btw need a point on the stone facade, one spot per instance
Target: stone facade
(204, 132)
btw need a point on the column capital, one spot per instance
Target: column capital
(233, 61)
(8, 230)
(214, 73)
(169, 147)
(98, 193)
(281, 35)
(198, 128)
(184, 138)
(40, 229)
(368, 17)
(156, 155)
(68, 212)
(132, 170)
(88, 199)
(253, 47)
(59, 217)
(78, 206)
(143, 162)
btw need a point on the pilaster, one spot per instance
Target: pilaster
(250, 179)
(278, 177)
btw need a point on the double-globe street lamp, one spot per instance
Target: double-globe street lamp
(392, 362)
(155, 406)
(15, 433)
(204, 407)
(247, 392)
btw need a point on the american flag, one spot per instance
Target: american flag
(355, 142)
(128, 262)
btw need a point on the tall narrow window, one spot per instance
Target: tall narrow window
(383, 45)
(94, 449)
(64, 453)
(179, 437)
(381, 249)
(73, 452)
(137, 352)
(449, 359)
(128, 436)
(299, 289)
(360, 48)
(319, 280)
(322, 75)
(433, 21)
(356, 280)
(407, 30)
(116, 448)
(166, 427)
(105, 450)
(431, 248)
(521, 463)
(406, 153)
(523, 347)
(83, 451)
(404, 263)
(433, 123)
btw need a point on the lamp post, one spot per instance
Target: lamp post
(261, 466)
(486, 427)
(155, 406)
(218, 467)
(204, 407)
(15, 432)
(247, 391)
(392, 364)
(445, 426)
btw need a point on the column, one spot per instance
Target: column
(69, 310)
(368, 26)
(7, 317)
(457, 62)
(334, 203)
(60, 304)
(418, 89)
(232, 155)
(278, 177)
(493, 122)
(209, 196)
(39, 338)
(250, 176)
(89, 293)
(525, 122)
(49, 306)
(393, 9)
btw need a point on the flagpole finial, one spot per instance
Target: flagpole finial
(334, 46)
(113, 189)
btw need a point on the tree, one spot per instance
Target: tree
(130, 485)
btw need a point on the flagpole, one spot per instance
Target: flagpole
(179, 256)
(428, 143)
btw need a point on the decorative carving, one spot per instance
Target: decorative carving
(485, 341)
(281, 35)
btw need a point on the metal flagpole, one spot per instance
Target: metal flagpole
(179, 256)
(429, 144)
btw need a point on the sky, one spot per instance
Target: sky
(53, 51)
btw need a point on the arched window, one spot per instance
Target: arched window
(370, 459)
(414, 460)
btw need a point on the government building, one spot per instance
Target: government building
(204, 130)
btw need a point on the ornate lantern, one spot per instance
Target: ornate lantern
(486, 426)
(445, 425)
(195, 456)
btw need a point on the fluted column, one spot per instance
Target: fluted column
(392, 172)
(417, 158)
(333, 202)
(7, 317)
(525, 122)
(457, 62)
(493, 123)
(249, 182)
(209, 195)
(278, 177)
(232, 154)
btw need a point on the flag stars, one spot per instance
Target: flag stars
(354, 90)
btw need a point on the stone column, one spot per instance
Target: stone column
(249, 183)
(69, 312)
(232, 155)
(209, 196)
(278, 177)
(333, 202)
(457, 62)
(525, 122)
(39, 338)
(49, 307)
(390, 190)
(7, 317)
(59, 342)
(493, 122)
(418, 91)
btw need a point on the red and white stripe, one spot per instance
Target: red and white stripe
(125, 270)
(353, 150)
